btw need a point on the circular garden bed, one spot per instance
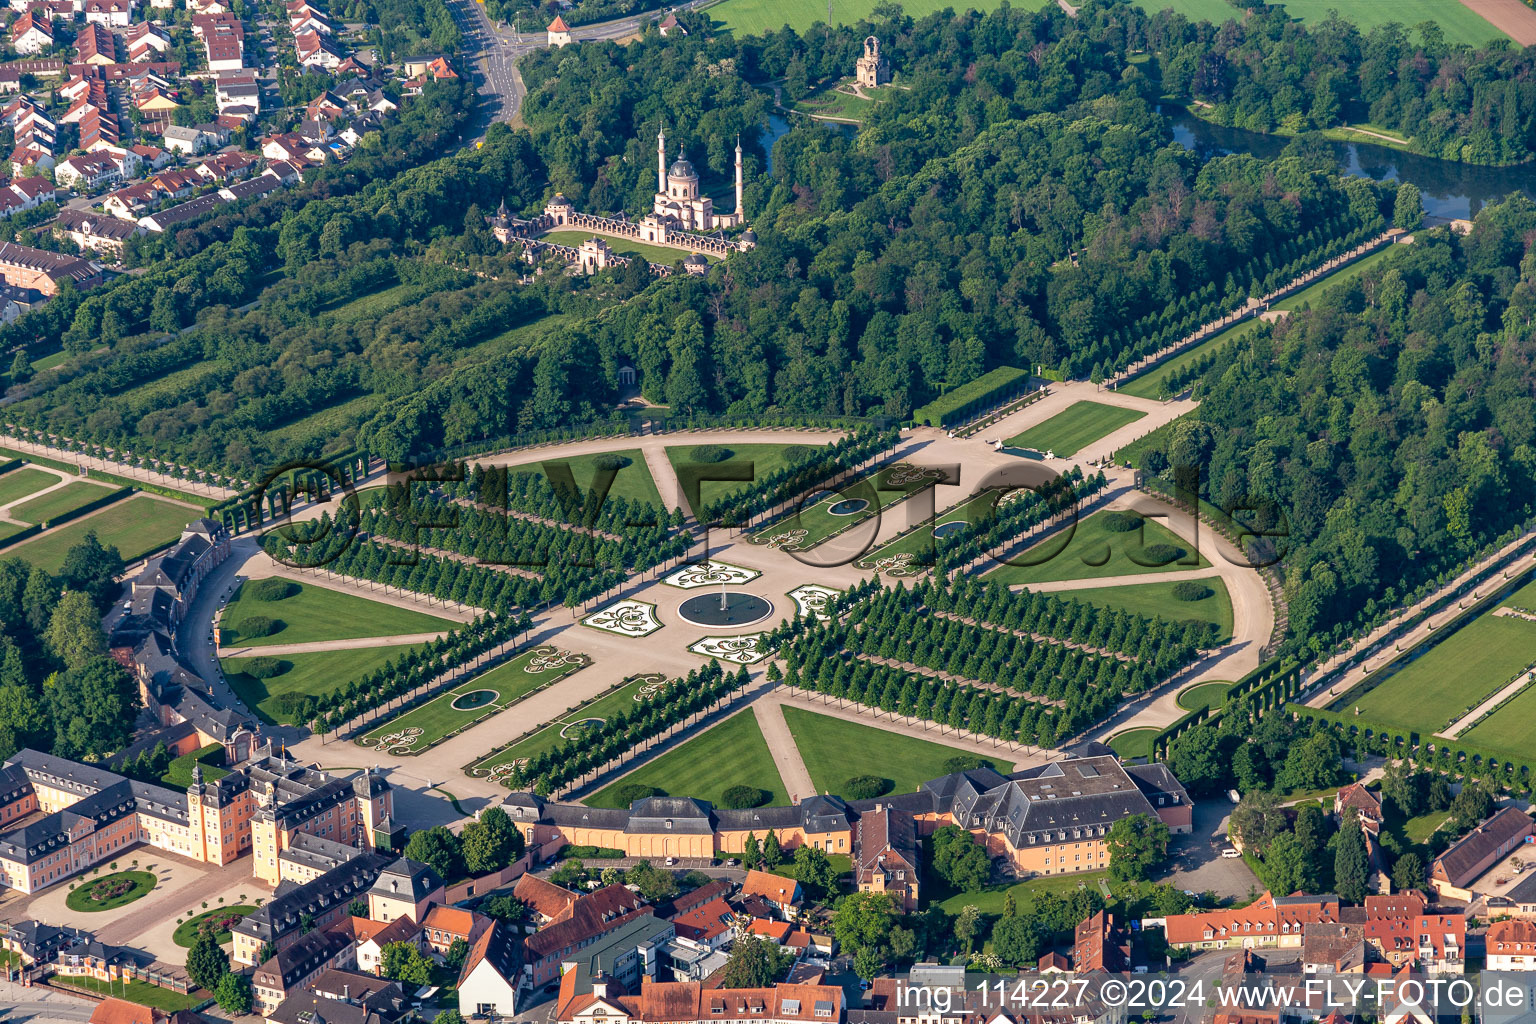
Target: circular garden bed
(109, 892)
(474, 700)
(945, 529)
(216, 922)
(848, 507)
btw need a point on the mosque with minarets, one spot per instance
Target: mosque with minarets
(678, 199)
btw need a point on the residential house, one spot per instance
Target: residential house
(344, 997)
(674, 1002)
(370, 938)
(92, 170)
(444, 925)
(491, 977)
(153, 157)
(1099, 944)
(547, 901)
(885, 855)
(784, 894)
(297, 964)
(95, 45)
(98, 232)
(592, 916)
(109, 13)
(113, 1010)
(316, 51)
(1511, 946)
(709, 925)
(31, 34)
(1363, 801)
(1269, 921)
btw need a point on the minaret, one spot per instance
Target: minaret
(740, 214)
(661, 161)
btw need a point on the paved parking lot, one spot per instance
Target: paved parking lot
(1195, 862)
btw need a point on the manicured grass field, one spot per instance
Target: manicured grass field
(549, 737)
(752, 17)
(835, 751)
(1508, 729)
(318, 613)
(1459, 24)
(309, 674)
(141, 992)
(884, 489)
(766, 460)
(624, 246)
(438, 717)
(1457, 673)
(19, 483)
(732, 753)
(920, 543)
(1214, 11)
(1204, 695)
(1061, 558)
(186, 932)
(990, 901)
(1080, 424)
(80, 901)
(54, 503)
(135, 526)
(1157, 599)
(1146, 385)
(1315, 291)
(633, 482)
(1133, 743)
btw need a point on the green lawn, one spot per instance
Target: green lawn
(136, 526)
(1204, 695)
(1133, 743)
(1315, 291)
(535, 743)
(314, 674)
(766, 459)
(1456, 674)
(732, 753)
(1214, 11)
(829, 102)
(1157, 599)
(816, 522)
(633, 482)
(141, 992)
(438, 717)
(186, 932)
(80, 900)
(66, 499)
(1146, 385)
(1459, 24)
(921, 542)
(752, 17)
(990, 901)
(624, 246)
(317, 613)
(19, 483)
(49, 361)
(1080, 424)
(835, 751)
(1072, 557)
(1524, 598)
(374, 304)
(1510, 728)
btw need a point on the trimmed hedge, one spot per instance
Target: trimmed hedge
(90, 506)
(1190, 590)
(274, 588)
(957, 405)
(739, 798)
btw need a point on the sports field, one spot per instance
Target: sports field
(314, 674)
(624, 246)
(54, 503)
(632, 482)
(856, 503)
(766, 459)
(1157, 599)
(1459, 23)
(1146, 385)
(472, 700)
(917, 547)
(531, 745)
(1076, 426)
(318, 613)
(1091, 551)
(835, 751)
(1455, 675)
(752, 17)
(732, 753)
(135, 526)
(19, 483)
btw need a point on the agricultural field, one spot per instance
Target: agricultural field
(1459, 23)
(834, 512)
(835, 751)
(636, 688)
(752, 17)
(1093, 551)
(732, 753)
(1147, 384)
(305, 675)
(55, 503)
(1078, 425)
(632, 482)
(19, 483)
(1157, 599)
(136, 526)
(311, 612)
(766, 460)
(1435, 688)
(625, 246)
(474, 699)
